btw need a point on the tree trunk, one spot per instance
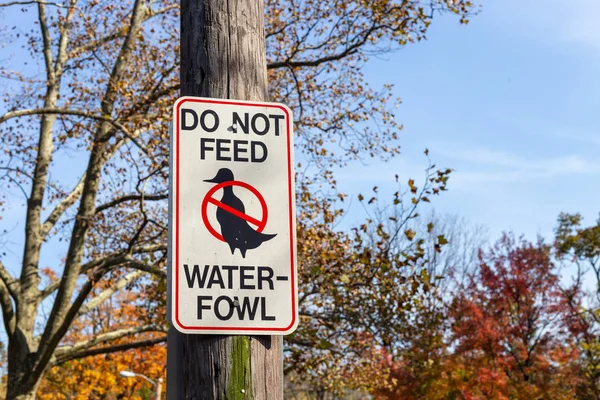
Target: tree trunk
(20, 387)
(20, 384)
(22, 393)
(223, 56)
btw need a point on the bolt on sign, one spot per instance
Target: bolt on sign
(233, 232)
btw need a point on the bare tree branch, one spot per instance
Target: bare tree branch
(18, 184)
(62, 207)
(142, 266)
(107, 337)
(12, 285)
(8, 312)
(110, 349)
(42, 19)
(152, 13)
(289, 63)
(94, 44)
(105, 294)
(80, 113)
(30, 2)
(48, 345)
(18, 171)
(130, 197)
(65, 111)
(121, 258)
(63, 40)
(356, 45)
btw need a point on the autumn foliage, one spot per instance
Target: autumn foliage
(516, 329)
(507, 329)
(512, 328)
(97, 376)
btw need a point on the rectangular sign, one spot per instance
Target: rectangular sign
(233, 240)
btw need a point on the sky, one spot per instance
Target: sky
(510, 102)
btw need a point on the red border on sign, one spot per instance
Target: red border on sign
(290, 205)
(208, 198)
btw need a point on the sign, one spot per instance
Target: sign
(233, 233)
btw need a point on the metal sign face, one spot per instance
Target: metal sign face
(233, 233)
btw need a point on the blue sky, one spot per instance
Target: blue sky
(511, 102)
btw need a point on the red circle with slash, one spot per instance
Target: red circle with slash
(208, 198)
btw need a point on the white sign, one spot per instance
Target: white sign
(233, 240)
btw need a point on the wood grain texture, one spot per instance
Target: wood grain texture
(223, 56)
(223, 49)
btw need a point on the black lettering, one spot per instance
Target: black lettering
(204, 148)
(215, 122)
(203, 306)
(276, 118)
(216, 278)
(195, 275)
(268, 278)
(253, 155)
(245, 306)
(237, 149)
(184, 125)
(221, 149)
(229, 311)
(238, 122)
(230, 269)
(263, 310)
(265, 123)
(243, 277)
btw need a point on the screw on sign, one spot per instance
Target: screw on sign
(231, 215)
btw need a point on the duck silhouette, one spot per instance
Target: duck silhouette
(235, 230)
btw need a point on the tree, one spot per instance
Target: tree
(85, 143)
(97, 376)
(508, 337)
(315, 56)
(414, 366)
(581, 247)
(104, 95)
(359, 292)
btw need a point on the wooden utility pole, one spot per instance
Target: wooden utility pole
(223, 56)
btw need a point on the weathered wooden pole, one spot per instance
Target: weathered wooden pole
(223, 56)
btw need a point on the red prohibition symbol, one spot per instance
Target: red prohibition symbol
(208, 198)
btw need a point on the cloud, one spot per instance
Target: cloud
(571, 22)
(482, 165)
(580, 24)
(583, 137)
(473, 166)
(383, 173)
